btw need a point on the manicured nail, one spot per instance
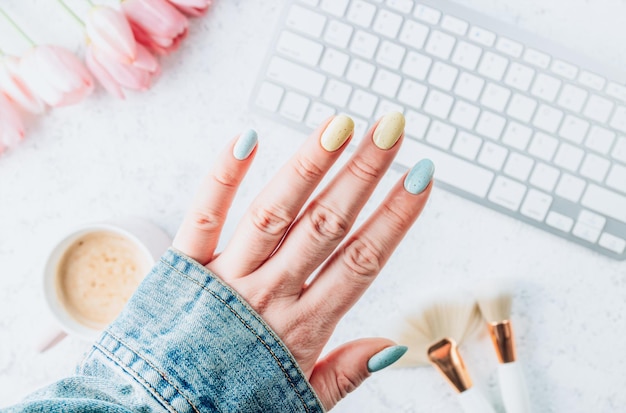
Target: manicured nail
(385, 358)
(245, 144)
(337, 132)
(419, 176)
(389, 130)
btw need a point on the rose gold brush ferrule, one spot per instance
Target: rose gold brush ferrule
(503, 340)
(445, 356)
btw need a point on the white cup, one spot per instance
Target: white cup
(149, 239)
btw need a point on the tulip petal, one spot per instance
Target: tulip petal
(15, 88)
(145, 60)
(159, 20)
(110, 32)
(11, 127)
(193, 8)
(106, 80)
(126, 75)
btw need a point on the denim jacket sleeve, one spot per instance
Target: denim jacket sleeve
(186, 342)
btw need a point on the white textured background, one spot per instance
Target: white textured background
(146, 155)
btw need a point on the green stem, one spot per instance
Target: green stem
(16, 27)
(71, 13)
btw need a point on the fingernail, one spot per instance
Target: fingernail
(245, 144)
(337, 132)
(385, 358)
(419, 176)
(389, 130)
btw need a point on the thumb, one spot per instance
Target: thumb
(346, 367)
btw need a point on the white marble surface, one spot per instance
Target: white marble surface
(146, 155)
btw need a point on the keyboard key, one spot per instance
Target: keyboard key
(440, 44)
(600, 139)
(386, 83)
(518, 166)
(569, 157)
(544, 177)
(574, 129)
(495, 97)
(360, 128)
(361, 13)
(416, 65)
(414, 34)
(299, 48)
(612, 243)
(338, 34)
(454, 25)
(598, 108)
(295, 76)
(451, 170)
(481, 36)
(312, 3)
(509, 47)
(572, 98)
(517, 135)
(427, 14)
(543, 146)
(317, 114)
(336, 7)
(519, 76)
(337, 92)
(595, 167)
(385, 107)
(492, 155)
(387, 23)
(334, 62)
(618, 121)
(536, 205)
(390, 54)
(492, 66)
(547, 118)
(466, 145)
(586, 232)
(360, 72)
(442, 75)
(363, 103)
(305, 21)
(364, 44)
(469, 86)
(619, 151)
(412, 93)
(616, 91)
(507, 193)
(466, 55)
(605, 202)
(269, 96)
(294, 106)
(403, 6)
(416, 124)
(438, 104)
(591, 80)
(490, 125)
(521, 108)
(440, 134)
(464, 115)
(570, 187)
(536, 58)
(559, 221)
(564, 69)
(546, 87)
(617, 178)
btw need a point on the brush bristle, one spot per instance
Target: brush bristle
(453, 318)
(495, 300)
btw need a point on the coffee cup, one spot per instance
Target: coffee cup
(92, 271)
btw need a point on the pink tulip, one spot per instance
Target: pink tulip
(113, 74)
(12, 84)
(156, 24)
(109, 31)
(193, 8)
(11, 127)
(55, 75)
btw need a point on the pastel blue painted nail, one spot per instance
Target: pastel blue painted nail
(385, 358)
(419, 176)
(245, 144)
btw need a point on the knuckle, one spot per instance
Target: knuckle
(226, 179)
(207, 221)
(272, 220)
(364, 170)
(363, 259)
(307, 169)
(345, 384)
(327, 224)
(398, 219)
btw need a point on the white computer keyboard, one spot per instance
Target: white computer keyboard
(511, 121)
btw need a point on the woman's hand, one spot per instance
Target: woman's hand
(282, 240)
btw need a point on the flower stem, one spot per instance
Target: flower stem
(16, 27)
(71, 12)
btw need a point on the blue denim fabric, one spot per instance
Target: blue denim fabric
(186, 342)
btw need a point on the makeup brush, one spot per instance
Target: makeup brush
(495, 305)
(433, 335)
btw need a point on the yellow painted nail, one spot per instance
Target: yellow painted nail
(389, 130)
(337, 132)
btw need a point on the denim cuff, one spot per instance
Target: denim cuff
(191, 344)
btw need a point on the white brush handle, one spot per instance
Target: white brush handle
(473, 401)
(513, 388)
